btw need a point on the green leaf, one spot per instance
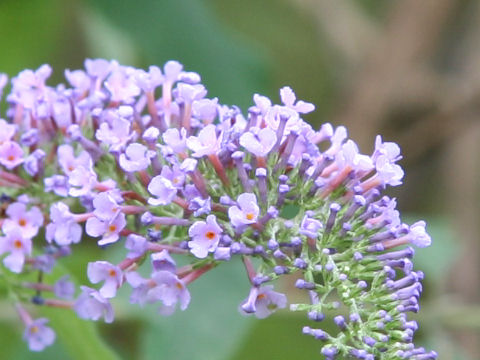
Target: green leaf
(80, 338)
(189, 32)
(211, 328)
(279, 337)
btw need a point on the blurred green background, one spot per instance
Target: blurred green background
(407, 69)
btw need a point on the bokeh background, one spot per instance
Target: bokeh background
(407, 69)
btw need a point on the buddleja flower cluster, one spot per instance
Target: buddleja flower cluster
(146, 162)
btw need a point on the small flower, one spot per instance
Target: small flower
(29, 221)
(11, 154)
(137, 246)
(163, 189)
(81, 181)
(63, 228)
(259, 142)
(288, 99)
(8, 130)
(111, 275)
(175, 175)
(115, 135)
(137, 157)
(263, 301)
(91, 305)
(206, 143)
(418, 235)
(310, 227)
(18, 246)
(205, 236)
(68, 161)
(162, 261)
(64, 288)
(58, 184)
(106, 206)
(38, 335)
(170, 290)
(176, 139)
(109, 230)
(246, 212)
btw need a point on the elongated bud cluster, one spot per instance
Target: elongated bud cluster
(174, 172)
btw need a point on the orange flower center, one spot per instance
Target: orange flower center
(112, 273)
(17, 244)
(210, 235)
(22, 222)
(250, 216)
(10, 157)
(261, 296)
(179, 286)
(112, 228)
(34, 329)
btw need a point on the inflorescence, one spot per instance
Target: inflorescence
(107, 160)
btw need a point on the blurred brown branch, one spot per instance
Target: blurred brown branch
(349, 29)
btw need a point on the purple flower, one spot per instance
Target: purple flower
(263, 301)
(64, 288)
(98, 68)
(136, 157)
(172, 70)
(259, 142)
(418, 235)
(262, 103)
(109, 230)
(140, 287)
(18, 246)
(58, 184)
(206, 143)
(81, 180)
(111, 275)
(388, 149)
(163, 190)
(170, 290)
(200, 206)
(137, 246)
(34, 162)
(351, 156)
(205, 236)
(175, 139)
(288, 99)
(388, 172)
(188, 93)
(175, 175)
(121, 85)
(8, 130)
(336, 140)
(28, 221)
(68, 161)
(11, 154)
(205, 109)
(106, 206)
(310, 227)
(246, 212)
(162, 261)
(63, 228)
(148, 81)
(91, 305)
(79, 80)
(116, 134)
(38, 335)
